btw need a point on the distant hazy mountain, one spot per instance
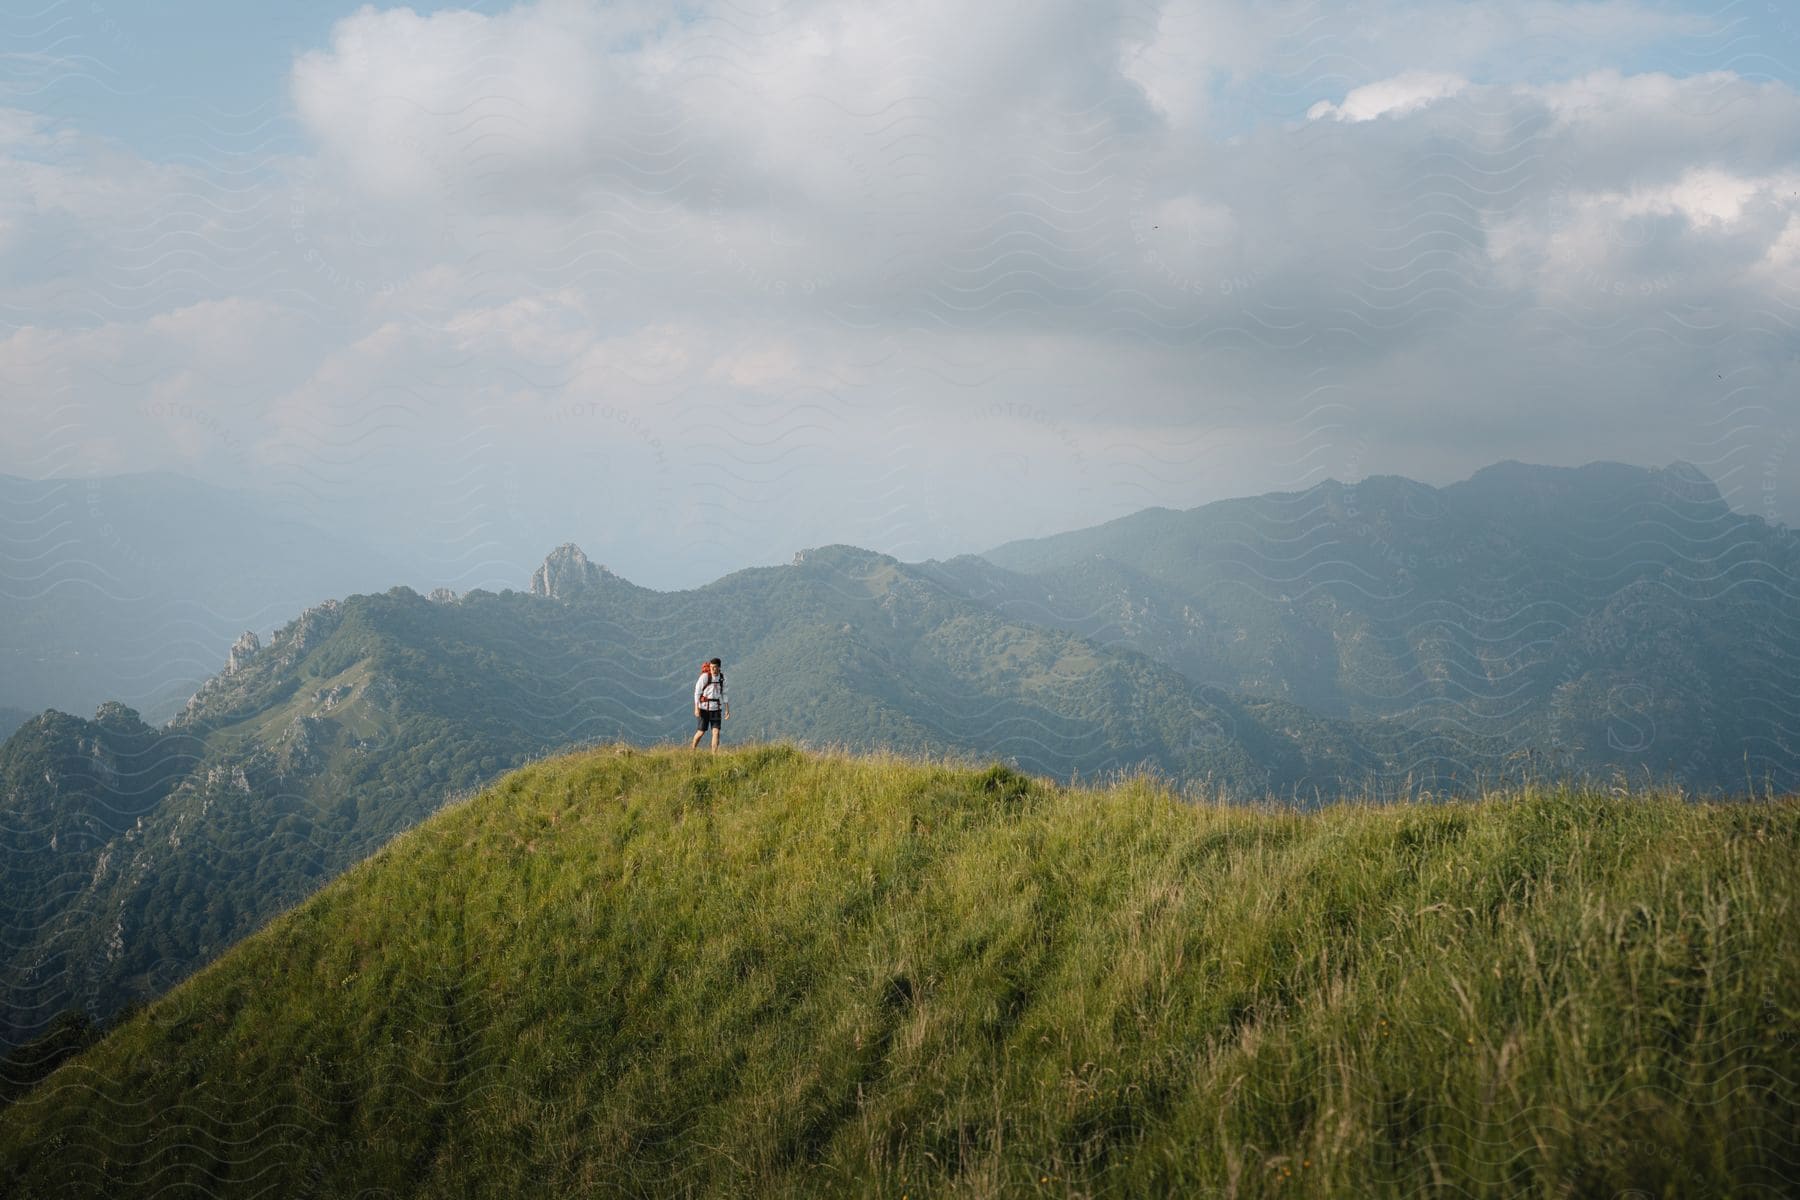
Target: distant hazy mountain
(1601, 618)
(136, 854)
(124, 588)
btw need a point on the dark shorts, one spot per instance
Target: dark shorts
(708, 719)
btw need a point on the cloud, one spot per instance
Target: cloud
(1704, 196)
(1389, 97)
(21, 128)
(178, 389)
(828, 244)
(1781, 262)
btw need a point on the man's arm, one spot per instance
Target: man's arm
(698, 684)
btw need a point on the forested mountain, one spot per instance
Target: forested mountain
(364, 715)
(76, 795)
(1598, 619)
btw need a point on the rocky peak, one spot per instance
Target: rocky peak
(839, 556)
(442, 595)
(242, 651)
(116, 716)
(566, 574)
(311, 627)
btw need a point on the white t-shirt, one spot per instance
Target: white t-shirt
(709, 691)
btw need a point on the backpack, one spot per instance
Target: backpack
(712, 690)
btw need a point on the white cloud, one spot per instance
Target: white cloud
(1179, 50)
(20, 127)
(1390, 97)
(1644, 198)
(759, 367)
(418, 106)
(1781, 263)
(816, 235)
(181, 388)
(1704, 196)
(547, 327)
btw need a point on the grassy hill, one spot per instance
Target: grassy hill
(771, 973)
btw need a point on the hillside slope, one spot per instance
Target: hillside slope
(768, 973)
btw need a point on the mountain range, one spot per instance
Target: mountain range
(1602, 619)
(1351, 638)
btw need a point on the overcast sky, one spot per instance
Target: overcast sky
(698, 291)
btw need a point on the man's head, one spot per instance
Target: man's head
(716, 665)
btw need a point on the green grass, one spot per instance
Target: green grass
(767, 973)
(267, 728)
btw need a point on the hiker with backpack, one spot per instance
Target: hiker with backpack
(711, 709)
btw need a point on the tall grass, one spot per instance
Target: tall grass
(769, 973)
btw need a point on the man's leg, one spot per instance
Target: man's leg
(715, 737)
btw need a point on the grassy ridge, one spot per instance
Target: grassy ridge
(766, 972)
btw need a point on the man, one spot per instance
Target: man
(711, 708)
